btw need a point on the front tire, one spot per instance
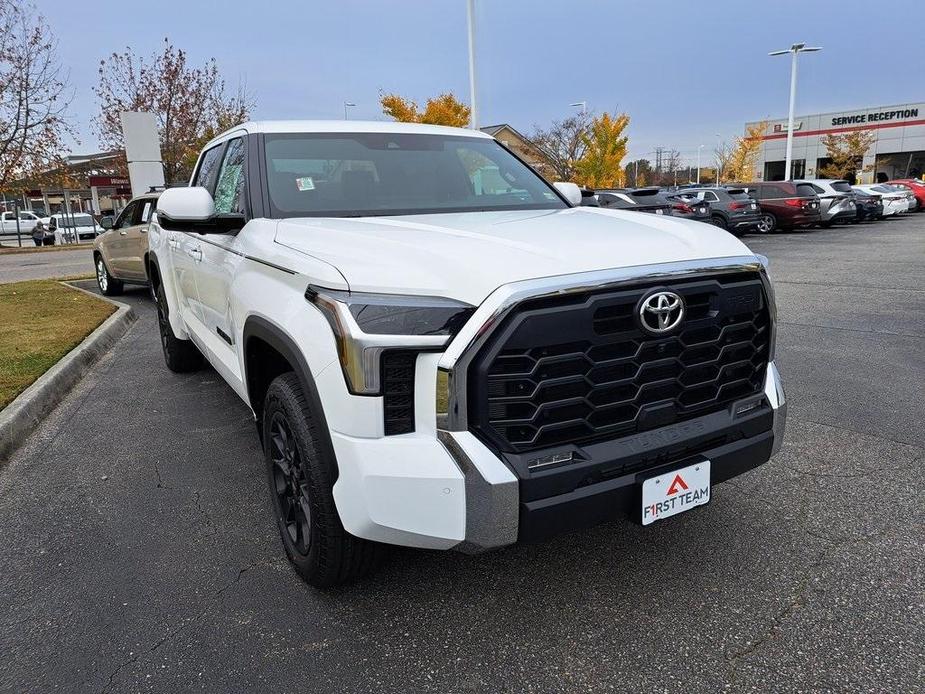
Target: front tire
(181, 356)
(109, 285)
(301, 475)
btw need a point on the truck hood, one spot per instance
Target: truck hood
(466, 256)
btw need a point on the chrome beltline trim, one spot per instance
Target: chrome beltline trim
(455, 361)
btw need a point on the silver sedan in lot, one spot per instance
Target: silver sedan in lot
(894, 201)
(836, 200)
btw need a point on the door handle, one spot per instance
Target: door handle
(122, 232)
(194, 253)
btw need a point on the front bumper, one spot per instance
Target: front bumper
(491, 523)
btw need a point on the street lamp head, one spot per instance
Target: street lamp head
(349, 103)
(797, 48)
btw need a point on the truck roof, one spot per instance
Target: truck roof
(348, 126)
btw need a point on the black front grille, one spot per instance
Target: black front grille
(398, 392)
(578, 368)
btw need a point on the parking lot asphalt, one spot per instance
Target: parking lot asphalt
(138, 553)
(17, 267)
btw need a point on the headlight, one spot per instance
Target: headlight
(366, 325)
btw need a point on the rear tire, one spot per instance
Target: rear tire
(109, 285)
(766, 223)
(181, 356)
(301, 474)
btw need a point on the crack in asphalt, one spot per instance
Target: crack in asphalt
(160, 480)
(866, 434)
(826, 556)
(209, 524)
(171, 634)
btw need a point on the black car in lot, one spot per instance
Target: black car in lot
(730, 208)
(651, 200)
(867, 206)
(688, 207)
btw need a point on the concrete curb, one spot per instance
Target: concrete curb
(18, 419)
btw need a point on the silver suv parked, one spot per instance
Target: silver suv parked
(836, 200)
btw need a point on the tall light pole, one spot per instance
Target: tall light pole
(346, 104)
(583, 104)
(699, 150)
(474, 111)
(719, 161)
(794, 50)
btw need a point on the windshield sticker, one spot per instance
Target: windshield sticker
(305, 183)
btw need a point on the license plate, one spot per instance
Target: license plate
(754, 206)
(675, 492)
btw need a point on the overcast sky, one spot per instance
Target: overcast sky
(682, 75)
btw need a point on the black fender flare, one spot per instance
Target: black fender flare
(278, 339)
(151, 261)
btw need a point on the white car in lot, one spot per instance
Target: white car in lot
(69, 228)
(894, 201)
(436, 363)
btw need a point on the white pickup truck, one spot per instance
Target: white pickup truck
(27, 222)
(442, 350)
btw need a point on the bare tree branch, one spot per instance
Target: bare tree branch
(34, 95)
(190, 103)
(563, 143)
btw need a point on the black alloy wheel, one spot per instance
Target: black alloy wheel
(290, 484)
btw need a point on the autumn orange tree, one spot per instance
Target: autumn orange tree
(846, 151)
(444, 109)
(34, 95)
(601, 164)
(740, 162)
(191, 103)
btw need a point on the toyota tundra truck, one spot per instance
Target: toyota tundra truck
(442, 350)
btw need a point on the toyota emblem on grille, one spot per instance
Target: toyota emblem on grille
(661, 312)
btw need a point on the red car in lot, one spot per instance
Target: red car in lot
(914, 185)
(785, 205)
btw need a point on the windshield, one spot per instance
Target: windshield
(77, 220)
(375, 174)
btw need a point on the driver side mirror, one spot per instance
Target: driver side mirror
(107, 222)
(193, 209)
(570, 191)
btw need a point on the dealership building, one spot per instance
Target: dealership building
(898, 151)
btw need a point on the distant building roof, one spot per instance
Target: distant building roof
(495, 129)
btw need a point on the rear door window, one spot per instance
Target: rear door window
(145, 208)
(842, 186)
